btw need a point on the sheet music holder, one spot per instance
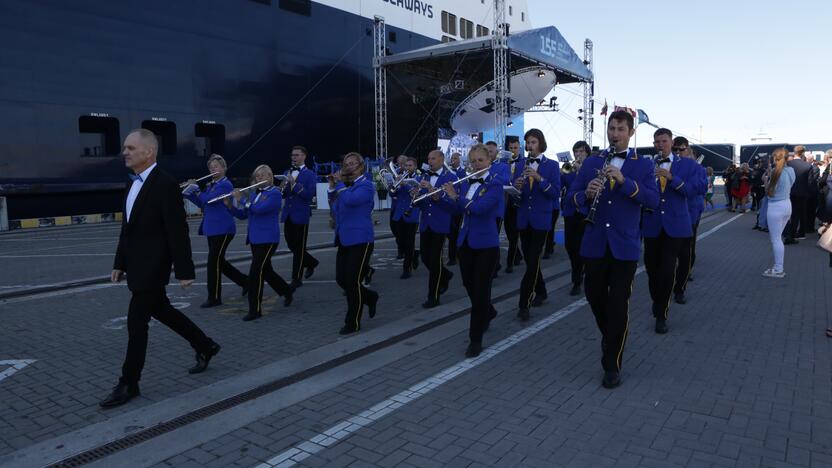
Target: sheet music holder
(511, 190)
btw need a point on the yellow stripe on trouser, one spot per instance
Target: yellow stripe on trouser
(303, 250)
(358, 283)
(439, 280)
(690, 257)
(626, 327)
(260, 287)
(534, 284)
(219, 260)
(672, 283)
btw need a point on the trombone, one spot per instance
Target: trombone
(188, 182)
(223, 197)
(458, 181)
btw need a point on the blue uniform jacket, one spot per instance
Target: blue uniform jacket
(537, 202)
(501, 172)
(436, 215)
(402, 210)
(263, 216)
(216, 220)
(696, 204)
(479, 226)
(672, 214)
(353, 208)
(298, 198)
(619, 207)
(567, 207)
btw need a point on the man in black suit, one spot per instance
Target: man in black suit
(153, 236)
(796, 228)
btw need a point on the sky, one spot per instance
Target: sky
(724, 70)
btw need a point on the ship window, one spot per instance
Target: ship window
(391, 36)
(466, 28)
(510, 10)
(166, 134)
(210, 139)
(522, 16)
(482, 31)
(99, 136)
(448, 39)
(301, 7)
(448, 23)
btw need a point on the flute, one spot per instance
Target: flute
(223, 197)
(458, 181)
(187, 183)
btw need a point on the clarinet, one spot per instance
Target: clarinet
(590, 217)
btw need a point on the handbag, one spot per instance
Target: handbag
(825, 241)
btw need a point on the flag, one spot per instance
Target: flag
(642, 117)
(627, 110)
(604, 108)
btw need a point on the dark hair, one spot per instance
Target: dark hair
(623, 116)
(582, 145)
(663, 131)
(491, 142)
(680, 140)
(538, 135)
(302, 149)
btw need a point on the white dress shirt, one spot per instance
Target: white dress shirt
(135, 189)
(433, 179)
(472, 189)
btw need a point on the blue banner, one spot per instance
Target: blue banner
(548, 46)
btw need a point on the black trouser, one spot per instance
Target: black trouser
(661, 254)
(456, 222)
(499, 227)
(609, 283)
(531, 242)
(407, 234)
(687, 257)
(350, 268)
(549, 246)
(573, 233)
(395, 228)
(811, 213)
(261, 271)
(144, 305)
(510, 223)
(430, 247)
(296, 235)
(476, 266)
(797, 223)
(218, 266)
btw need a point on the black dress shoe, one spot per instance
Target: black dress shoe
(523, 315)
(345, 330)
(416, 255)
(430, 304)
(612, 379)
(474, 350)
(203, 358)
(661, 326)
(121, 394)
(680, 298)
(309, 272)
(538, 300)
(576, 290)
(789, 241)
(443, 287)
(289, 297)
(405, 275)
(296, 283)
(371, 305)
(250, 316)
(210, 303)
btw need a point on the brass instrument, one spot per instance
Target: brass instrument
(567, 168)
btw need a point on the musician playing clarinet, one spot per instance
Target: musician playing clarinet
(611, 245)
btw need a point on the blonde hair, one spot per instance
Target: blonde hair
(264, 169)
(219, 159)
(479, 148)
(779, 157)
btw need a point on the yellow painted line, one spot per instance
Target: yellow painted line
(63, 220)
(29, 223)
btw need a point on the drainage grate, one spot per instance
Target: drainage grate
(136, 438)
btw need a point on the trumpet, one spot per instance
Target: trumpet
(188, 182)
(590, 217)
(567, 168)
(458, 181)
(223, 197)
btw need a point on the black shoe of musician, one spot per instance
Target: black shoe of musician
(296, 283)
(661, 326)
(789, 241)
(443, 287)
(523, 315)
(576, 289)
(203, 358)
(210, 303)
(309, 272)
(250, 316)
(345, 330)
(121, 394)
(612, 379)
(430, 304)
(474, 350)
(680, 298)
(289, 297)
(372, 302)
(416, 259)
(538, 300)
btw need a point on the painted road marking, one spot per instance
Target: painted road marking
(14, 366)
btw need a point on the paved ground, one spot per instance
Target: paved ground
(742, 379)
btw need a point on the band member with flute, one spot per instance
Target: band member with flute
(500, 170)
(219, 227)
(353, 199)
(456, 167)
(611, 245)
(262, 209)
(407, 218)
(435, 225)
(696, 205)
(479, 240)
(573, 219)
(667, 230)
(298, 191)
(539, 186)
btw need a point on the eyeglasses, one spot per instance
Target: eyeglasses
(679, 149)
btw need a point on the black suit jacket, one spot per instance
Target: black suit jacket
(156, 235)
(800, 188)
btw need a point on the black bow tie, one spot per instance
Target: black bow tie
(622, 155)
(433, 174)
(477, 181)
(512, 161)
(533, 160)
(295, 168)
(661, 161)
